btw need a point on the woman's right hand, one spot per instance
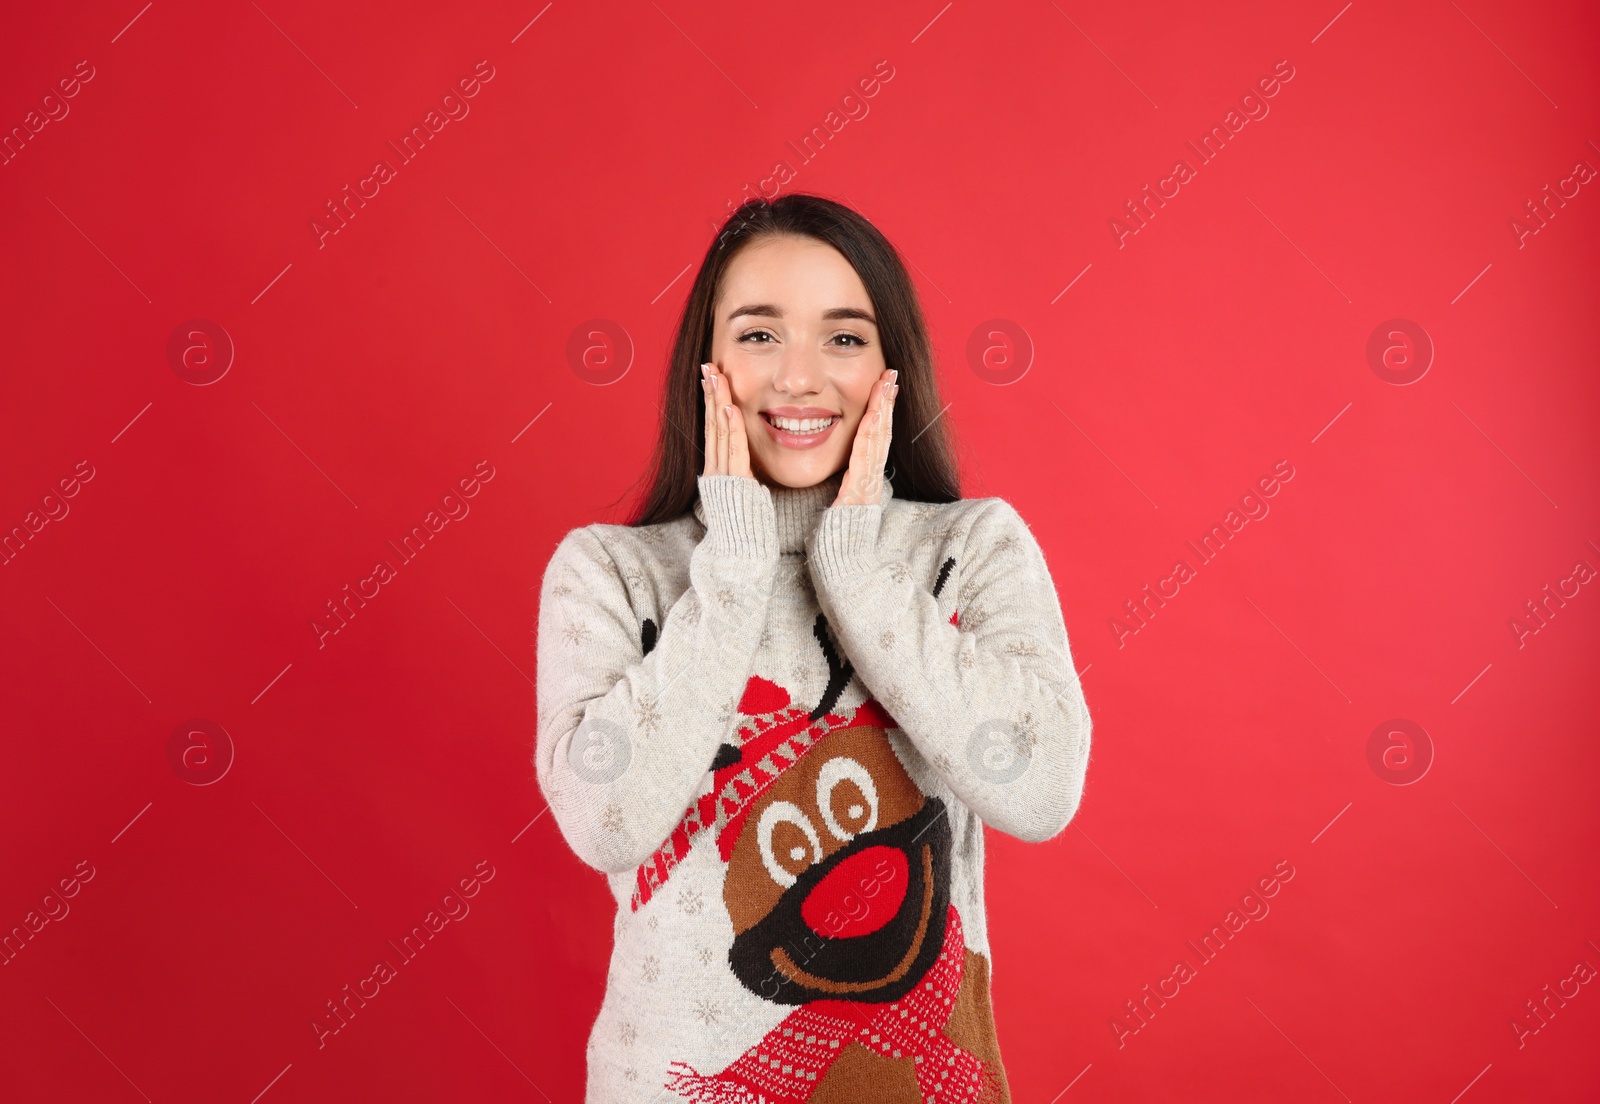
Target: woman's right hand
(727, 447)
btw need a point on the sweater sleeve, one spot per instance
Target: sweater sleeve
(994, 701)
(627, 732)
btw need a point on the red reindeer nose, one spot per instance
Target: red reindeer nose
(859, 896)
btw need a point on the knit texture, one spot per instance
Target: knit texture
(778, 727)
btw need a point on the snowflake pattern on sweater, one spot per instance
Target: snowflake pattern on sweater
(778, 727)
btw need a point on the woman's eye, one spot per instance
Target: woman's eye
(755, 333)
(859, 343)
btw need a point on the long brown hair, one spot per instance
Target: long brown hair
(921, 462)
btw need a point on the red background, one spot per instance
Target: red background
(374, 370)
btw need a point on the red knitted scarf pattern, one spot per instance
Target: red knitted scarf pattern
(786, 1066)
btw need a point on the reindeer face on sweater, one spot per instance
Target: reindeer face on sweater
(838, 865)
(839, 881)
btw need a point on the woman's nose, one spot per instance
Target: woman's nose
(799, 373)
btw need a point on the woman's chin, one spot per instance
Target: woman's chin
(800, 470)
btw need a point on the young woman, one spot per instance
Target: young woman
(777, 708)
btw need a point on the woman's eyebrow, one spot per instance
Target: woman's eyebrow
(770, 310)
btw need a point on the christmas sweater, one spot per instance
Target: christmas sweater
(778, 726)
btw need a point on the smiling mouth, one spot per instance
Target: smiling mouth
(791, 970)
(783, 958)
(800, 427)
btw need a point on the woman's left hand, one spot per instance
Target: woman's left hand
(863, 479)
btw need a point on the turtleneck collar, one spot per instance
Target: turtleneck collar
(798, 509)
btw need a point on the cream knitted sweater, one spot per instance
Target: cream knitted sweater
(778, 726)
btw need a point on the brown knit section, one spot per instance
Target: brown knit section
(971, 1025)
(858, 1076)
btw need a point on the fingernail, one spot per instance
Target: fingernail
(705, 370)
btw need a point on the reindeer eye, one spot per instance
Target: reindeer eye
(788, 842)
(845, 786)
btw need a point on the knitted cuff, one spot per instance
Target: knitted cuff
(846, 540)
(740, 519)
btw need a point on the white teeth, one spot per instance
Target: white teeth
(802, 425)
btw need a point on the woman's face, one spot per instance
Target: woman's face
(796, 336)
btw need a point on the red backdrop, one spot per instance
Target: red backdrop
(244, 362)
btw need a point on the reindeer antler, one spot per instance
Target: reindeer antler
(839, 672)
